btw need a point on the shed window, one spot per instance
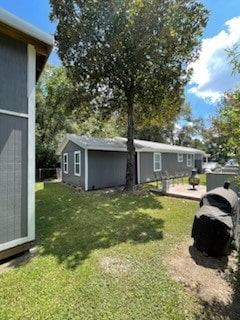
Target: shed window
(65, 163)
(180, 157)
(77, 163)
(189, 160)
(157, 162)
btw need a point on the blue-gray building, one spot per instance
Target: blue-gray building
(24, 50)
(95, 163)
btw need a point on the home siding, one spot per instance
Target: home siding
(217, 179)
(169, 163)
(13, 140)
(106, 169)
(146, 167)
(13, 178)
(13, 75)
(70, 177)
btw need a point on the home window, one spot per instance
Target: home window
(77, 163)
(157, 162)
(180, 157)
(189, 160)
(65, 163)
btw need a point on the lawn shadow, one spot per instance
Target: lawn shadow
(217, 309)
(17, 260)
(207, 261)
(70, 225)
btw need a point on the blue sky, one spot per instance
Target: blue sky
(212, 72)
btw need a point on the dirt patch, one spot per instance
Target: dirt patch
(208, 278)
(115, 266)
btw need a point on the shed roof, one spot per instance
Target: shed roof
(143, 145)
(120, 144)
(23, 31)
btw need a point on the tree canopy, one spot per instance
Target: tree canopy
(54, 101)
(226, 129)
(226, 123)
(130, 56)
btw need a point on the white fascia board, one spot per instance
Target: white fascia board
(61, 146)
(168, 151)
(64, 143)
(25, 27)
(106, 149)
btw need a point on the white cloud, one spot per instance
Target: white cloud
(212, 71)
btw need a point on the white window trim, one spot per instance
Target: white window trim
(154, 162)
(180, 157)
(65, 163)
(79, 163)
(189, 160)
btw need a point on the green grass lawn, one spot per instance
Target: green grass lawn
(99, 256)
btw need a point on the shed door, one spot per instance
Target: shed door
(13, 177)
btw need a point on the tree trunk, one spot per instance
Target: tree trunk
(130, 173)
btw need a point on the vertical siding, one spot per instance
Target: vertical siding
(106, 169)
(70, 177)
(13, 75)
(13, 178)
(169, 163)
(146, 167)
(217, 179)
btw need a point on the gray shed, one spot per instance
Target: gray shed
(95, 163)
(24, 50)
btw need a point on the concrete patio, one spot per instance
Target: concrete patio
(184, 191)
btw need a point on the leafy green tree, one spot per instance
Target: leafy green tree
(226, 123)
(130, 56)
(97, 126)
(186, 134)
(234, 57)
(56, 114)
(54, 100)
(184, 130)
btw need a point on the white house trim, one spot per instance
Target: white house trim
(13, 113)
(86, 169)
(13, 243)
(31, 80)
(25, 27)
(154, 162)
(180, 157)
(138, 168)
(77, 163)
(65, 163)
(189, 160)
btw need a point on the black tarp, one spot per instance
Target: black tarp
(216, 223)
